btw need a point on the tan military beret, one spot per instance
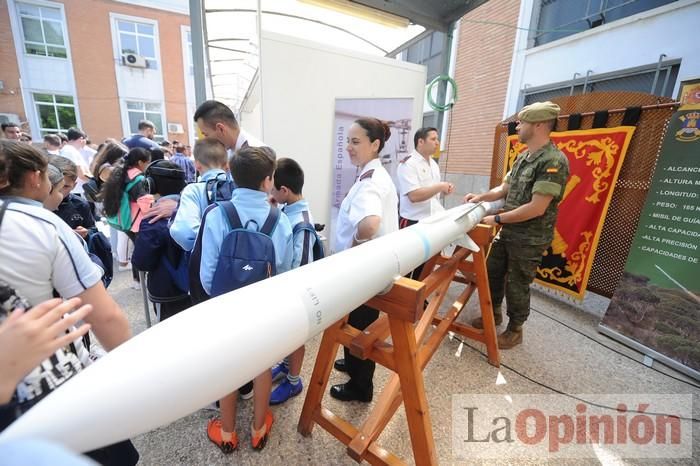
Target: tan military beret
(539, 111)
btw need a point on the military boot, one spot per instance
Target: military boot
(479, 322)
(512, 337)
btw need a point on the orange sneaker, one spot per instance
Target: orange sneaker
(258, 441)
(215, 434)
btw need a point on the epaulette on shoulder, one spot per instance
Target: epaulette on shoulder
(405, 159)
(366, 175)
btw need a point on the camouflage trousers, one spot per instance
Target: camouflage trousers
(512, 267)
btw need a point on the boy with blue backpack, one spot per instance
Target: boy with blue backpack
(155, 251)
(244, 240)
(214, 185)
(288, 184)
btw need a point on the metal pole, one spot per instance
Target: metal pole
(144, 294)
(585, 82)
(196, 29)
(446, 62)
(260, 75)
(573, 82)
(656, 74)
(663, 88)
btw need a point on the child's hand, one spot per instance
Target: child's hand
(29, 337)
(273, 202)
(82, 231)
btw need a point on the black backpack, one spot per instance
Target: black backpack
(100, 251)
(91, 189)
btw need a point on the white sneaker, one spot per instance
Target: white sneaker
(246, 396)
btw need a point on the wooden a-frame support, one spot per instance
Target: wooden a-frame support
(404, 319)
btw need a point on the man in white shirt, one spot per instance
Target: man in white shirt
(71, 151)
(216, 120)
(52, 144)
(88, 153)
(419, 182)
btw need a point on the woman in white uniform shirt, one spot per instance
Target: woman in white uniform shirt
(368, 211)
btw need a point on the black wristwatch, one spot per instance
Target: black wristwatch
(497, 218)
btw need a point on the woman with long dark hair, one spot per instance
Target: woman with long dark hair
(127, 177)
(110, 153)
(129, 170)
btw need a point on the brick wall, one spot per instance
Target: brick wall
(90, 34)
(10, 95)
(90, 37)
(482, 70)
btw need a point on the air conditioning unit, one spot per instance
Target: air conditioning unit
(133, 60)
(175, 128)
(9, 118)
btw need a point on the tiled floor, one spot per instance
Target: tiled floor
(551, 354)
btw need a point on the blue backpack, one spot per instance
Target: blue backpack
(247, 256)
(219, 189)
(309, 230)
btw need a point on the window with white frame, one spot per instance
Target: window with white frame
(42, 30)
(189, 53)
(138, 38)
(56, 113)
(561, 18)
(137, 111)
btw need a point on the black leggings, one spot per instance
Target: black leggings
(134, 271)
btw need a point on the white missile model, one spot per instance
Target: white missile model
(205, 352)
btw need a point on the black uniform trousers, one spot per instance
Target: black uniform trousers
(403, 223)
(361, 371)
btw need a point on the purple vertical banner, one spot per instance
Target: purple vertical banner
(397, 112)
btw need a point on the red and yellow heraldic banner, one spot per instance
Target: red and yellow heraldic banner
(595, 158)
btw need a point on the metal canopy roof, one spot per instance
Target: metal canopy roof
(231, 37)
(432, 14)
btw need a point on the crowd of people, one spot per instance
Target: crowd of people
(195, 221)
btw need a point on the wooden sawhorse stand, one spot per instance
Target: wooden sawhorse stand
(407, 322)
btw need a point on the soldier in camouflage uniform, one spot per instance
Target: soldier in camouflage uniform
(532, 191)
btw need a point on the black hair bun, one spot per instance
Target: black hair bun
(386, 129)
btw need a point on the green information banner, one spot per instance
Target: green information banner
(657, 303)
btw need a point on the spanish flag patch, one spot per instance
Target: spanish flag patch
(552, 170)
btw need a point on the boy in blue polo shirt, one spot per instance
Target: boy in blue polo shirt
(288, 184)
(252, 170)
(210, 160)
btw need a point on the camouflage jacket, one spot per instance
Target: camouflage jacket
(542, 172)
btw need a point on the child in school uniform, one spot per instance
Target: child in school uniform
(127, 178)
(252, 170)
(287, 192)
(210, 160)
(155, 251)
(73, 209)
